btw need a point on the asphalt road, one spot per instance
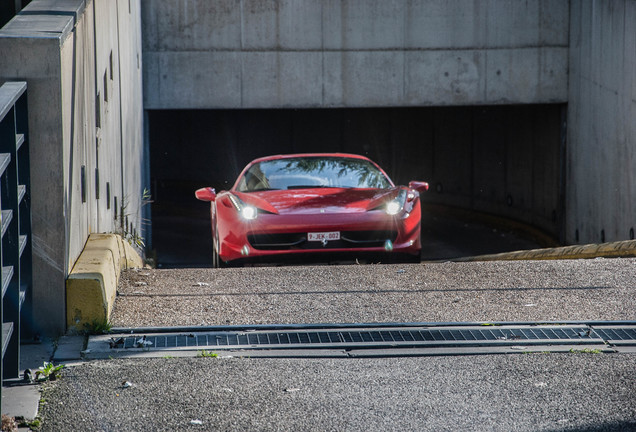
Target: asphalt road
(576, 391)
(599, 289)
(524, 392)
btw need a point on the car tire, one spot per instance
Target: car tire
(215, 257)
(217, 262)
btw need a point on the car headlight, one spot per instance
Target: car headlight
(246, 211)
(393, 207)
(396, 205)
(249, 212)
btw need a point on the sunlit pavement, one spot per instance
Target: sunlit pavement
(581, 391)
(580, 386)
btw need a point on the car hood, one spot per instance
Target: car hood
(315, 201)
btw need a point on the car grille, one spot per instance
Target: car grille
(348, 240)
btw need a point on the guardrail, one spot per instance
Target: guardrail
(15, 221)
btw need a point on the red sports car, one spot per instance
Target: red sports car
(314, 204)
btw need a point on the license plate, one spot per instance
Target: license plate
(324, 236)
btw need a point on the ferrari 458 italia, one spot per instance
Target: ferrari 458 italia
(314, 205)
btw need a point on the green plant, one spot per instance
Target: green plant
(98, 327)
(48, 371)
(34, 424)
(586, 351)
(125, 228)
(205, 353)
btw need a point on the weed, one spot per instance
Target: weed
(34, 424)
(205, 353)
(586, 351)
(98, 327)
(168, 357)
(127, 229)
(48, 371)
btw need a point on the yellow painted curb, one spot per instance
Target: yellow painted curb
(130, 257)
(621, 249)
(91, 286)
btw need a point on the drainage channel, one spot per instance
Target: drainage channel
(389, 340)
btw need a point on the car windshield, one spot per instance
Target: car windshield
(312, 172)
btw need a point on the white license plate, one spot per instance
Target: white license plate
(328, 236)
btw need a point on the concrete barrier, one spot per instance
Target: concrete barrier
(91, 286)
(621, 249)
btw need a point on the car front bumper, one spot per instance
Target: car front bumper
(271, 235)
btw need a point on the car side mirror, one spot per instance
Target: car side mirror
(205, 194)
(419, 186)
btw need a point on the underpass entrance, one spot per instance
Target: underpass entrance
(503, 160)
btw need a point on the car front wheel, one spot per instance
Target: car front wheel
(217, 262)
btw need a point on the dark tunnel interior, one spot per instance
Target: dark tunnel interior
(502, 160)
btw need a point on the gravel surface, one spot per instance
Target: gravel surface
(532, 392)
(576, 391)
(600, 289)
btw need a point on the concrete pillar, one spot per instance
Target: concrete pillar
(70, 55)
(601, 177)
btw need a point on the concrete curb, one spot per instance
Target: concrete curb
(620, 249)
(92, 284)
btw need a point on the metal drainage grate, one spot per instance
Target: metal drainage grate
(619, 335)
(460, 336)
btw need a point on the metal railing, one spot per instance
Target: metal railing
(15, 221)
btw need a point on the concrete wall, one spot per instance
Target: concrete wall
(345, 53)
(131, 115)
(63, 49)
(601, 176)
